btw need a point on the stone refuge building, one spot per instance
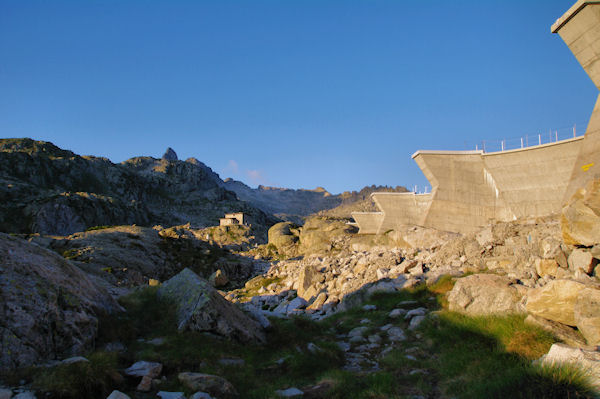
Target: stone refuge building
(233, 218)
(470, 189)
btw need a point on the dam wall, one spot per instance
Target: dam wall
(470, 189)
(368, 222)
(579, 28)
(401, 209)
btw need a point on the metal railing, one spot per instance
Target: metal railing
(529, 140)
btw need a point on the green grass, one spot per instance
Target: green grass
(457, 356)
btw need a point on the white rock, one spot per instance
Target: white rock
(415, 322)
(396, 334)
(415, 312)
(76, 359)
(369, 307)
(588, 361)
(289, 393)
(357, 331)
(143, 368)
(397, 313)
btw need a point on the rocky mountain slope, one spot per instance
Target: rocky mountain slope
(293, 205)
(49, 190)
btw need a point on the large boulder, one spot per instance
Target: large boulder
(49, 308)
(283, 236)
(201, 308)
(587, 314)
(555, 301)
(483, 294)
(213, 384)
(580, 220)
(588, 361)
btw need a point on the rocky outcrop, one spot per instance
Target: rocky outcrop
(170, 155)
(484, 294)
(47, 190)
(127, 256)
(49, 308)
(580, 219)
(201, 308)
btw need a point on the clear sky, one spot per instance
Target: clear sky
(287, 93)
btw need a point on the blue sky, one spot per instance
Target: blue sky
(295, 94)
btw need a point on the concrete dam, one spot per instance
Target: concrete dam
(471, 189)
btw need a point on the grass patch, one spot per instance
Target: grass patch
(93, 379)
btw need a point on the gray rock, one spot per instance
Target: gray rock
(144, 368)
(415, 322)
(201, 308)
(213, 384)
(25, 395)
(394, 314)
(369, 307)
(587, 314)
(170, 155)
(5, 393)
(75, 359)
(50, 308)
(218, 278)
(415, 312)
(117, 395)
(358, 331)
(289, 393)
(396, 334)
(345, 346)
(483, 294)
(232, 362)
(170, 395)
(297, 303)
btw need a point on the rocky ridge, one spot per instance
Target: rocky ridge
(48, 190)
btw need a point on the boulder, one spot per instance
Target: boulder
(580, 219)
(282, 236)
(565, 333)
(546, 267)
(218, 278)
(50, 308)
(483, 294)
(588, 361)
(213, 384)
(587, 314)
(143, 369)
(582, 260)
(555, 301)
(201, 308)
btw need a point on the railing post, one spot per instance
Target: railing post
(556, 135)
(575, 130)
(540, 139)
(502, 145)
(521, 142)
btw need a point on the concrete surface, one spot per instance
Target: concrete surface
(470, 189)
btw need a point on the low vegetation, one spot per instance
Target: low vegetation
(450, 355)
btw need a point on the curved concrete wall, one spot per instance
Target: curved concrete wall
(401, 209)
(579, 27)
(532, 181)
(368, 222)
(471, 188)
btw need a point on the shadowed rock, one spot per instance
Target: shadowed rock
(201, 308)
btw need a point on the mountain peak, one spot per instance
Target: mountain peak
(170, 155)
